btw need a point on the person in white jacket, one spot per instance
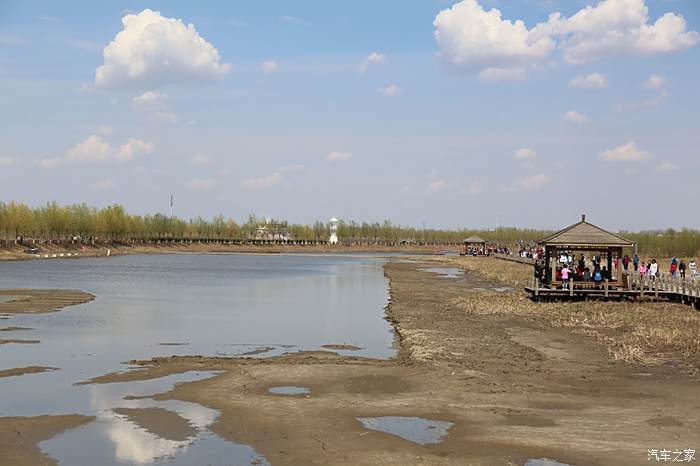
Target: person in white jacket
(693, 267)
(654, 269)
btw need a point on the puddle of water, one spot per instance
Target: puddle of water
(289, 390)
(543, 462)
(115, 440)
(447, 272)
(413, 429)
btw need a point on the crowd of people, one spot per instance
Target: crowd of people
(479, 250)
(589, 269)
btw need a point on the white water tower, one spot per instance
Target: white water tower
(333, 227)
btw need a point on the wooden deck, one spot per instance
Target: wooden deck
(633, 286)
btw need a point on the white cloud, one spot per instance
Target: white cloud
(575, 117)
(6, 161)
(625, 153)
(391, 90)
(269, 66)
(531, 182)
(201, 184)
(134, 148)
(170, 117)
(667, 167)
(492, 75)
(524, 154)
(92, 149)
(49, 162)
(374, 58)
(655, 82)
(261, 182)
(472, 38)
(150, 98)
(200, 159)
(152, 49)
(338, 156)
(589, 81)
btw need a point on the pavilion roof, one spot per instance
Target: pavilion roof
(474, 239)
(584, 234)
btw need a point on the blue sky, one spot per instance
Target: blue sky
(290, 117)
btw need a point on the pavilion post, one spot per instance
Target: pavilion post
(553, 258)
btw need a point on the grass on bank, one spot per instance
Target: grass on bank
(641, 332)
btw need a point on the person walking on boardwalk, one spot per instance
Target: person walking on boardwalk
(565, 272)
(653, 269)
(642, 269)
(681, 269)
(674, 267)
(635, 262)
(693, 266)
(626, 262)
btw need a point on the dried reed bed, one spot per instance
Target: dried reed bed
(641, 332)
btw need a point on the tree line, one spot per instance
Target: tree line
(80, 222)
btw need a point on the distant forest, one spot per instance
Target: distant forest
(80, 222)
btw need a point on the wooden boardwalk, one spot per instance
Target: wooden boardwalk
(632, 286)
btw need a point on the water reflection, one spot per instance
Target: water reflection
(114, 439)
(413, 429)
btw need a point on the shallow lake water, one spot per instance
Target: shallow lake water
(414, 429)
(230, 305)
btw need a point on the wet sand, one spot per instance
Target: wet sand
(514, 386)
(19, 437)
(30, 301)
(25, 370)
(7, 341)
(161, 422)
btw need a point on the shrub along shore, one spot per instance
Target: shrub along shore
(80, 223)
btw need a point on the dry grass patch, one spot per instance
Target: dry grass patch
(640, 332)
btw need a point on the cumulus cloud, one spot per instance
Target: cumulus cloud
(95, 149)
(625, 153)
(391, 90)
(667, 167)
(524, 154)
(491, 75)
(92, 149)
(200, 159)
(149, 98)
(589, 81)
(6, 161)
(472, 38)
(338, 156)
(261, 182)
(575, 117)
(374, 58)
(269, 66)
(134, 148)
(655, 82)
(154, 50)
(529, 183)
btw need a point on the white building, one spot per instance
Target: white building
(333, 227)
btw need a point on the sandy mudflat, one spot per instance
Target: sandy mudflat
(6, 341)
(161, 422)
(19, 437)
(25, 370)
(29, 301)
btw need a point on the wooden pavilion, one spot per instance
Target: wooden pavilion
(583, 237)
(474, 243)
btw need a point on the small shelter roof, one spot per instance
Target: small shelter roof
(474, 240)
(584, 234)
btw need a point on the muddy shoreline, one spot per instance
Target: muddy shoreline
(514, 385)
